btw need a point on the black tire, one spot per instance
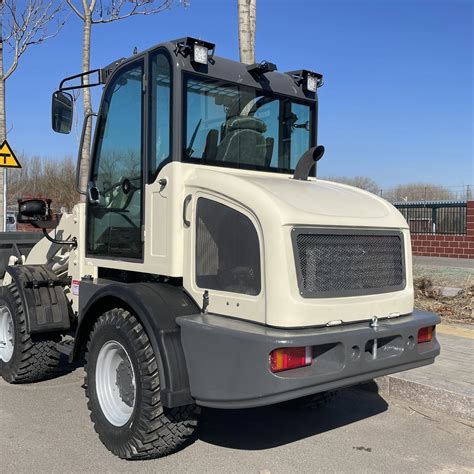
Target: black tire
(35, 357)
(152, 430)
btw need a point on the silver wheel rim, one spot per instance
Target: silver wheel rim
(115, 383)
(7, 334)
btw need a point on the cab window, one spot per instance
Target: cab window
(160, 103)
(114, 223)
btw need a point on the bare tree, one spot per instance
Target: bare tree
(362, 182)
(418, 192)
(247, 14)
(94, 12)
(22, 25)
(41, 177)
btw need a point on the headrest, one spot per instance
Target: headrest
(246, 122)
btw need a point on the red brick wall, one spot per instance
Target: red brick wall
(26, 228)
(454, 246)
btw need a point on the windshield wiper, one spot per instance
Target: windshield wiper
(189, 150)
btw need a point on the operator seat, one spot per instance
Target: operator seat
(244, 141)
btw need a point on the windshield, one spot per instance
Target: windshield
(233, 125)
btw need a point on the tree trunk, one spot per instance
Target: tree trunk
(247, 11)
(86, 150)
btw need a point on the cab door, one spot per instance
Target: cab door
(115, 218)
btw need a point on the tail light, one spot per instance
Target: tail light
(425, 334)
(290, 358)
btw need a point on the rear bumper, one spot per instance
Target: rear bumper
(228, 360)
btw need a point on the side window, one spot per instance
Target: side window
(301, 132)
(160, 111)
(269, 113)
(114, 224)
(227, 250)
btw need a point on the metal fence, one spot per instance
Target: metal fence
(435, 217)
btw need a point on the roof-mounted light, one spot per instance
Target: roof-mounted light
(200, 51)
(309, 80)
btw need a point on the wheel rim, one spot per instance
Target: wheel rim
(115, 383)
(7, 334)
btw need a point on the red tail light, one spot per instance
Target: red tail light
(290, 358)
(425, 334)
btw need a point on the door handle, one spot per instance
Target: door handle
(186, 202)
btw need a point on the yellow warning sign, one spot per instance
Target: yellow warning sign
(7, 157)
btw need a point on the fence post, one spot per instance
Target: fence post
(433, 219)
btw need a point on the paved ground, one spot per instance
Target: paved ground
(45, 427)
(453, 369)
(448, 384)
(445, 272)
(445, 262)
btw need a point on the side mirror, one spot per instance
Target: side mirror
(62, 112)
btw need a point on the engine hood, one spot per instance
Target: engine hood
(278, 205)
(325, 198)
(312, 202)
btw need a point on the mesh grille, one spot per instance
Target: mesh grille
(227, 250)
(336, 264)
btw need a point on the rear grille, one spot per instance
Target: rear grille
(333, 263)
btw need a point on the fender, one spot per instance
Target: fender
(42, 294)
(156, 306)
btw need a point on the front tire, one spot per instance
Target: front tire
(24, 358)
(123, 391)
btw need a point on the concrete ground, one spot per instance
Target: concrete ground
(445, 262)
(448, 384)
(445, 272)
(45, 427)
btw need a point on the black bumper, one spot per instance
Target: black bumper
(228, 360)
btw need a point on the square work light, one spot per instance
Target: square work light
(198, 50)
(309, 80)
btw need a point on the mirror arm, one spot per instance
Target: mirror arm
(79, 155)
(72, 242)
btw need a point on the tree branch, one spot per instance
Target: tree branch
(75, 10)
(139, 7)
(29, 27)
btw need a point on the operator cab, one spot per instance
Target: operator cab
(179, 102)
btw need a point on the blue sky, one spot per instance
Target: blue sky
(397, 104)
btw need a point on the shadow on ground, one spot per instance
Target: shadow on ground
(268, 427)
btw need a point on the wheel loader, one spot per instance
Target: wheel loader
(208, 266)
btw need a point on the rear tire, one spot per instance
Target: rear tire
(123, 391)
(24, 358)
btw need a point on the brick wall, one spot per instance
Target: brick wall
(27, 228)
(454, 246)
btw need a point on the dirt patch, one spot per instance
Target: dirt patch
(459, 308)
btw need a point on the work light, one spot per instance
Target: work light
(309, 80)
(311, 83)
(199, 51)
(200, 54)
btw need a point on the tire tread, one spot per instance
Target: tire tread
(159, 431)
(38, 359)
